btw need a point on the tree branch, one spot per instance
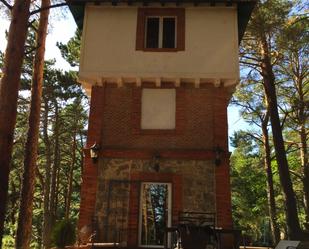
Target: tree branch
(248, 63)
(250, 58)
(296, 174)
(32, 26)
(46, 8)
(31, 50)
(255, 137)
(6, 4)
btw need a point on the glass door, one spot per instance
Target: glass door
(155, 213)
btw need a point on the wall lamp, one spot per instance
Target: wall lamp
(94, 152)
(218, 155)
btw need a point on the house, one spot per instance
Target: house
(160, 75)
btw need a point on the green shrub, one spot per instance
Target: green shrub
(8, 242)
(63, 234)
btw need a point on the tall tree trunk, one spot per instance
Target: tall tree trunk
(24, 227)
(305, 166)
(53, 193)
(294, 230)
(270, 184)
(47, 215)
(9, 86)
(57, 191)
(302, 118)
(69, 192)
(81, 153)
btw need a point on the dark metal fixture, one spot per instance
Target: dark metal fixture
(218, 155)
(94, 152)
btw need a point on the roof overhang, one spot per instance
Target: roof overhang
(244, 8)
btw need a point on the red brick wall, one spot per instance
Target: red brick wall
(202, 125)
(89, 177)
(223, 188)
(194, 122)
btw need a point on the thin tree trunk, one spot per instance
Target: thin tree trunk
(305, 166)
(53, 193)
(69, 193)
(294, 230)
(24, 226)
(302, 118)
(9, 86)
(57, 192)
(270, 184)
(81, 153)
(47, 215)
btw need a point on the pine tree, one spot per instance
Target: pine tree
(24, 228)
(259, 52)
(294, 70)
(254, 111)
(8, 95)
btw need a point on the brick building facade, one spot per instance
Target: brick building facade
(159, 115)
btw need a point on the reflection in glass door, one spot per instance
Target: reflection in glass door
(155, 213)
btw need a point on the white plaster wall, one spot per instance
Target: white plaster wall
(211, 46)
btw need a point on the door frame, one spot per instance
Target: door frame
(169, 211)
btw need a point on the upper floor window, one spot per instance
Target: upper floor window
(160, 29)
(160, 32)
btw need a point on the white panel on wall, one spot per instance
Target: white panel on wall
(158, 109)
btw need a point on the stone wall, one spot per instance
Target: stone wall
(113, 193)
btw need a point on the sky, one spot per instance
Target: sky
(63, 29)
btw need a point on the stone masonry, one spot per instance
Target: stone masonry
(112, 200)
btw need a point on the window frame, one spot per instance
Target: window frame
(161, 30)
(144, 13)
